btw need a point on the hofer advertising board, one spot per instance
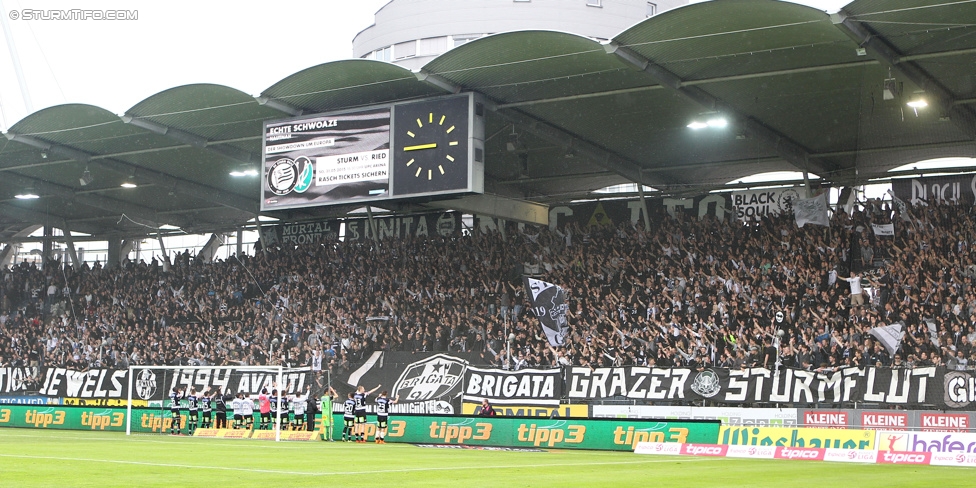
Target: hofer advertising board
(941, 442)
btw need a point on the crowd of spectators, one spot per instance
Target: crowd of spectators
(690, 292)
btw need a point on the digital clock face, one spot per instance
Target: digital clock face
(431, 146)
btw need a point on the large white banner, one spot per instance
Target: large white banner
(755, 204)
(537, 387)
(777, 417)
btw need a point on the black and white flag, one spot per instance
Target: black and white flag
(549, 306)
(899, 204)
(890, 336)
(811, 211)
(883, 229)
(933, 332)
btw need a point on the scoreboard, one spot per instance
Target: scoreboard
(431, 148)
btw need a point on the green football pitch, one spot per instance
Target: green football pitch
(102, 459)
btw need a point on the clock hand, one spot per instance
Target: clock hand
(420, 146)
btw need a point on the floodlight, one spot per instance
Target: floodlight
(717, 123)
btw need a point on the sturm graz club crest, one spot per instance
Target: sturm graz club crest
(706, 384)
(436, 377)
(146, 384)
(283, 176)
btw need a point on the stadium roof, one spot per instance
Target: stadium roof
(801, 90)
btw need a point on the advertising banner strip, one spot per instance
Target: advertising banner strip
(602, 434)
(864, 456)
(800, 453)
(231, 433)
(560, 411)
(111, 419)
(797, 437)
(263, 435)
(947, 459)
(752, 452)
(888, 419)
(61, 417)
(894, 457)
(868, 456)
(31, 400)
(732, 416)
(925, 441)
(299, 435)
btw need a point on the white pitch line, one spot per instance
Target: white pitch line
(161, 439)
(306, 473)
(164, 465)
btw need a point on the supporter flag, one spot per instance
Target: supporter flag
(883, 229)
(889, 336)
(811, 211)
(933, 332)
(549, 306)
(901, 207)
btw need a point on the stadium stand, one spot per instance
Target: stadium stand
(689, 293)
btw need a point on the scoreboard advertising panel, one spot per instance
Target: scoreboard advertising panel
(426, 148)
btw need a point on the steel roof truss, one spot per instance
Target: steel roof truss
(959, 115)
(179, 185)
(191, 139)
(790, 150)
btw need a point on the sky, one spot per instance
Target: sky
(116, 64)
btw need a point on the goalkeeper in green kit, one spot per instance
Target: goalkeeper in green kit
(327, 421)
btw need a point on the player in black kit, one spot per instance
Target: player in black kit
(360, 398)
(206, 409)
(383, 415)
(273, 400)
(193, 408)
(348, 418)
(174, 408)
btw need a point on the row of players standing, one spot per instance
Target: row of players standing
(214, 401)
(354, 415)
